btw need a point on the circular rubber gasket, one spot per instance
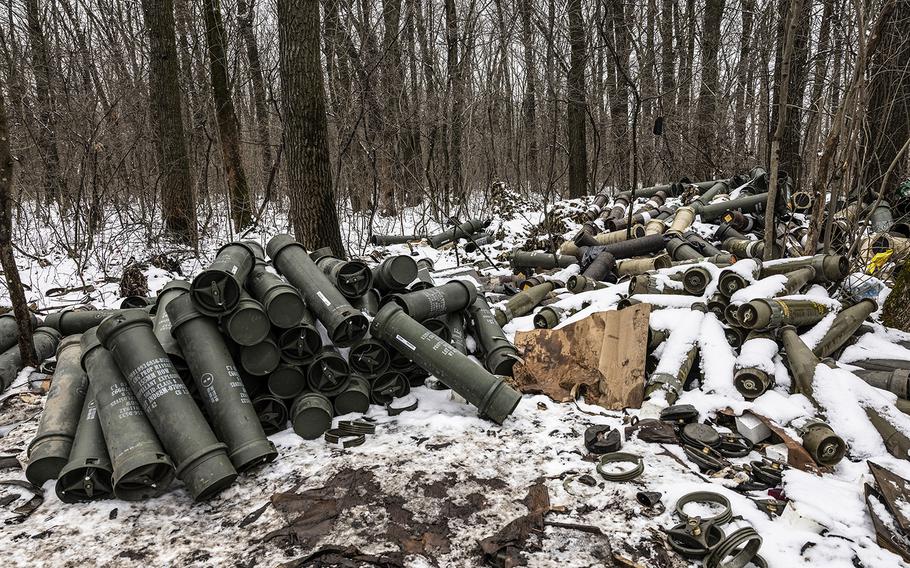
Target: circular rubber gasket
(706, 497)
(621, 457)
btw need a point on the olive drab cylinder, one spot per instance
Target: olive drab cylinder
(844, 325)
(299, 344)
(796, 280)
(671, 385)
(262, 358)
(247, 324)
(272, 411)
(328, 374)
(226, 401)
(354, 398)
(385, 240)
(896, 442)
(202, 462)
(50, 448)
(287, 381)
(635, 247)
(394, 273)
(682, 221)
(772, 313)
(752, 375)
(633, 266)
(800, 360)
(548, 317)
(344, 323)
(695, 280)
(217, 289)
(748, 203)
(311, 415)
(541, 260)
(493, 398)
(896, 381)
(732, 280)
(9, 330)
(45, 338)
(571, 247)
(452, 296)
(701, 245)
(88, 473)
(141, 468)
(825, 447)
(352, 277)
(368, 357)
(455, 321)
(469, 227)
(828, 267)
(678, 249)
(161, 323)
(282, 302)
(523, 302)
(71, 322)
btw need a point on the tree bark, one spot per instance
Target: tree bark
(178, 201)
(7, 261)
(742, 83)
(575, 115)
(529, 102)
(246, 14)
(619, 96)
(46, 138)
(228, 125)
(706, 126)
(309, 177)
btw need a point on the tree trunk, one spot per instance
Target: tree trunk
(46, 137)
(7, 261)
(706, 126)
(178, 203)
(619, 97)
(742, 84)
(789, 39)
(529, 102)
(455, 66)
(575, 115)
(228, 126)
(887, 124)
(245, 24)
(309, 177)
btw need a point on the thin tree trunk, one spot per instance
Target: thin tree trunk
(309, 176)
(178, 200)
(742, 83)
(575, 115)
(7, 260)
(245, 24)
(706, 125)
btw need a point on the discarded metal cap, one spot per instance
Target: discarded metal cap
(602, 439)
(311, 415)
(389, 386)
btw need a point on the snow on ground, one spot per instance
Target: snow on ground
(441, 471)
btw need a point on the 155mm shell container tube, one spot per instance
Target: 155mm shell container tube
(368, 357)
(493, 398)
(9, 330)
(633, 266)
(796, 279)
(50, 448)
(520, 259)
(217, 289)
(469, 227)
(394, 274)
(745, 204)
(71, 322)
(635, 247)
(385, 240)
(452, 296)
(344, 323)
(260, 359)
(311, 415)
(352, 277)
(754, 368)
(523, 302)
(731, 281)
(825, 447)
(226, 401)
(287, 381)
(766, 314)
(844, 325)
(87, 475)
(161, 323)
(328, 374)
(202, 462)
(248, 323)
(45, 338)
(299, 344)
(896, 381)
(828, 267)
(282, 302)
(671, 385)
(141, 467)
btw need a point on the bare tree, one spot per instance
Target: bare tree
(178, 201)
(309, 177)
(576, 111)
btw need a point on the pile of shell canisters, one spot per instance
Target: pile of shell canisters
(654, 254)
(191, 383)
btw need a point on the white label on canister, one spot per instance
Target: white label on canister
(323, 298)
(405, 342)
(645, 216)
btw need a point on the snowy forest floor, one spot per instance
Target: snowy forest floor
(430, 484)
